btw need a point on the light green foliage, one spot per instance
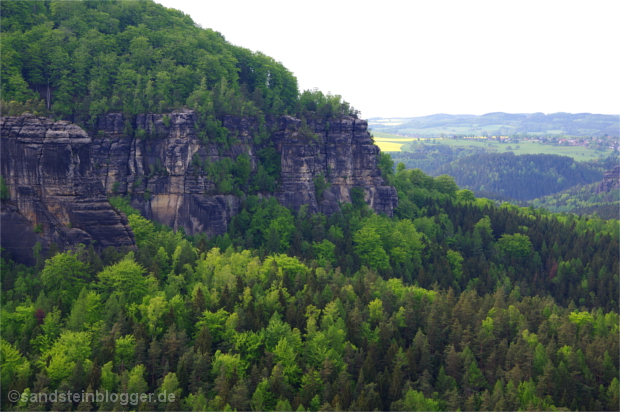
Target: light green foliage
(427, 226)
(445, 184)
(125, 346)
(229, 363)
(51, 327)
(286, 354)
(530, 337)
(109, 379)
(64, 276)
(215, 321)
(270, 224)
(241, 169)
(65, 352)
(324, 105)
(581, 318)
(143, 229)
(151, 311)
(170, 387)
(465, 195)
(183, 254)
(249, 344)
(136, 383)
(473, 377)
(21, 320)
(127, 276)
(86, 311)
(13, 366)
(488, 325)
(220, 270)
(516, 246)
(375, 310)
(262, 396)
(324, 251)
(456, 262)
(123, 204)
(401, 290)
(275, 330)
(381, 240)
(320, 186)
(319, 348)
(332, 324)
(416, 401)
(118, 59)
(284, 266)
(369, 249)
(4, 189)
(386, 165)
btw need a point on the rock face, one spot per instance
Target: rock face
(58, 174)
(164, 175)
(611, 180)
(342, 153)
(162, 172)
(54, 194)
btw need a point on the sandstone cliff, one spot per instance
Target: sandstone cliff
(341, 151)
(611, 180)
(55, 195)
(160, 173)
(58, 175)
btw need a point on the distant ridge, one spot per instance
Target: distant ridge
(500, 123)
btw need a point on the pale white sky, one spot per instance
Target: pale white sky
(413, 58)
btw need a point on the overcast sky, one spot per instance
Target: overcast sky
(414, 58)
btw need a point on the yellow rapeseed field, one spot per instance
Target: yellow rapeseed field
(388, 146)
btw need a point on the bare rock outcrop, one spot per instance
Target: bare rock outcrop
(611, 180)
(163, 170)
(59, 175)
(342, 153)
(54, 194)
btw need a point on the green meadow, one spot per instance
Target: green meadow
(388, 142)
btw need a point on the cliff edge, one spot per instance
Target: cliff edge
(54, 194)
(58, 174)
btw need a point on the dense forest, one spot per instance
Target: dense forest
(77, 60)
(521, 179)
(430, 156)
(582, 199)
(453, 303)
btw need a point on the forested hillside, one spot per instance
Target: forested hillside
(582, 199)
(521, 177)
(431, 157)
(452, 303)
(80, 59)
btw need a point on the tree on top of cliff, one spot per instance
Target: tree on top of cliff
(87, 58)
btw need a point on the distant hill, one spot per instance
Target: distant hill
(521, 177)
(602, 198)
(498, 123)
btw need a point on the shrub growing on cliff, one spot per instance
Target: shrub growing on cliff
(4, 189)
(320, 185)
